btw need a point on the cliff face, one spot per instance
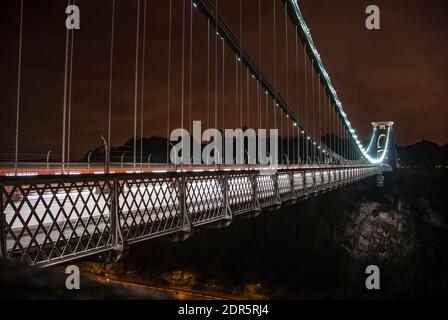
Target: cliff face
(402, 229)
(377, 230)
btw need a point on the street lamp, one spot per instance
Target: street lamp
(149, 160)
(121, 161)
(287, 158)
(48, 160)
(106, 150)
(88, 159)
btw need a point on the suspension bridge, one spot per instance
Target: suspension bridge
(55, 211)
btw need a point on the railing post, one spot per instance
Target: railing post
(113, 213)
(322, 181)
(186, 226)
(330, 178)
(339, 174)
(255, 189)
(276, 190)
(119, 244)
(2, 226)
(305, 187)
(335, 178)
(228, 215)
(293, 192)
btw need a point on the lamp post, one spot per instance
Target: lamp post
(106, 150)
(149, 160)
(287, 158)
(48, 160)
(88, 159)
(121, 160)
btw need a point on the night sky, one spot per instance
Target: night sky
(396, 73)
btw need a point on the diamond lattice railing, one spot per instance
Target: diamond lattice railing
(148, 207)
(205, 197)
(241, 192)
(50, 221)
(266, 185)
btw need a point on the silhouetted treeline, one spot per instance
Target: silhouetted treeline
(423, 154)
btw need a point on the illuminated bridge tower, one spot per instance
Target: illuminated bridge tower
(383, 144)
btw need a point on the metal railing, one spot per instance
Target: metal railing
(46, 220)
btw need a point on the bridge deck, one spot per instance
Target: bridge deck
(53, 219)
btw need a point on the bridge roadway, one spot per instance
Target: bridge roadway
(53, 219)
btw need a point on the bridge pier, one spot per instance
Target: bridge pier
(380, 180)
